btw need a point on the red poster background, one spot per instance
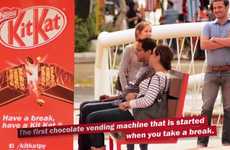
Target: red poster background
(59, 51)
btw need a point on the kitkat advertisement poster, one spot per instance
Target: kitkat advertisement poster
(36, 71)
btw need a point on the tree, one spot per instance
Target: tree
(121, 16)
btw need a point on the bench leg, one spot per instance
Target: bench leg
(118, 145)
(110, 143)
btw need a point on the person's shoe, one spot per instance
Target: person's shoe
(117, 135)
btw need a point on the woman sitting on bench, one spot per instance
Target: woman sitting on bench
(131, 63)
(149, 89)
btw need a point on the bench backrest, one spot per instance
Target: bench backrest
(177, 92)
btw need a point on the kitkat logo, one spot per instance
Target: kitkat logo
(33, 27)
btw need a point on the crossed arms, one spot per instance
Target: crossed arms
(214, 43)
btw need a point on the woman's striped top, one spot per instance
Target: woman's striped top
(150, 90)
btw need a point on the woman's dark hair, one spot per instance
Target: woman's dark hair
(166, 56)
(148, 44)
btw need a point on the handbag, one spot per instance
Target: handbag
(159, 109)
(134, 87)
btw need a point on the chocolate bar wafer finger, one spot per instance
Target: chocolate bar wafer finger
(55, 82)
(13, 84)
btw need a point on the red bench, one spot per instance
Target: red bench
(177, 92)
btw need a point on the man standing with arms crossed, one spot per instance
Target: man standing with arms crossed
(215, 39)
